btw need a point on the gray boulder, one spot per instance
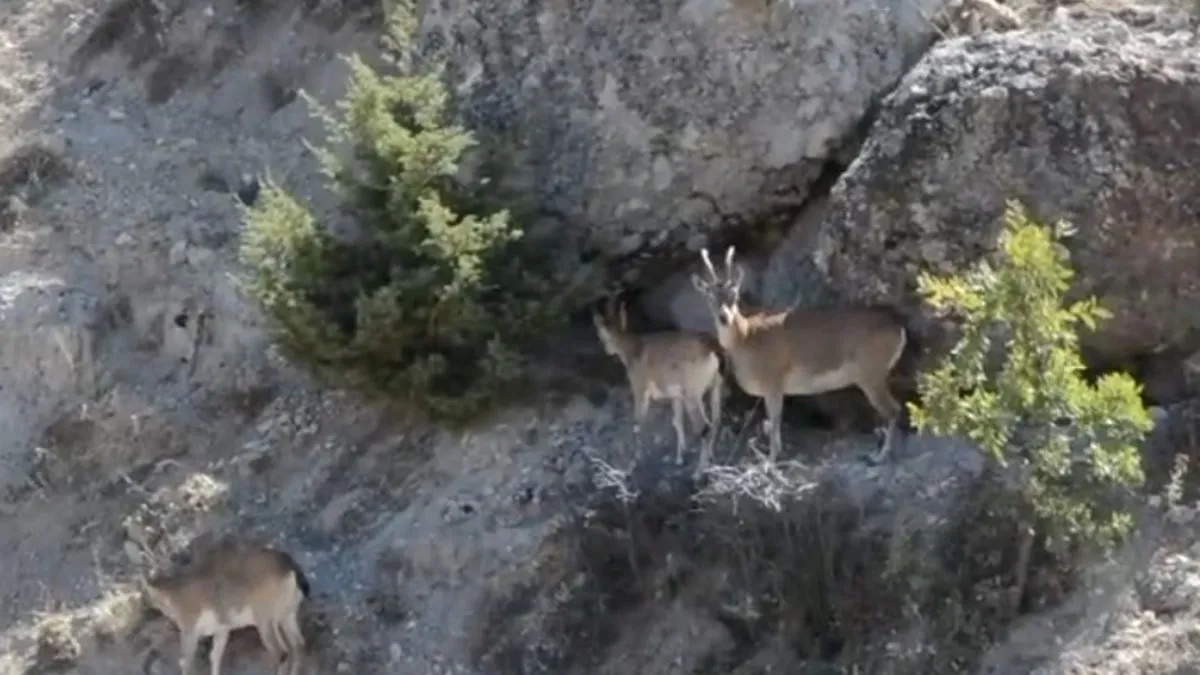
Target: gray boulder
(1093, 122)
(647, 126)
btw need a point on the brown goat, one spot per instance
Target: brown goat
(678, 366)
(804, 351)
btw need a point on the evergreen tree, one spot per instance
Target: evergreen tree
(435, 302)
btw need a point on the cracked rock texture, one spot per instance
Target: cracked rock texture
(1092, 122)
(645, 126)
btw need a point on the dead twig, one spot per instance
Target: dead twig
(771, 485)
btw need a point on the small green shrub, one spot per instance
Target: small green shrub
(436, 301)
(1069, 447)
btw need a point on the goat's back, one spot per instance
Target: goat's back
(816, 349)
(678, 358)
(236, 581)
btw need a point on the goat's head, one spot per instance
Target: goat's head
(721, 293)
(611, 322)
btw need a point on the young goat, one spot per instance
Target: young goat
(235, 584)
(671, 365)
(804, 351)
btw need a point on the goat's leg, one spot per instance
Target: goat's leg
(702, 424)
(677, 406)
(888, 408)
(641, 406)
(295, 643)
(268, 632)
(716, 398)
(774, 405)
(697, 417)
(714, 424)
(188, 642)
(218, 651)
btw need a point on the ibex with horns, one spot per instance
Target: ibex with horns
(804, 351)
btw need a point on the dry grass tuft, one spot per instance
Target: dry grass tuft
(117, 615)
(63, 637)
(758, 482)
(57, 646)
(31, 165)
(165, 525)
(27, 173)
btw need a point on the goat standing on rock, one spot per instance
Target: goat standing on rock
(237, 583)
(804, 351)
(670, 365)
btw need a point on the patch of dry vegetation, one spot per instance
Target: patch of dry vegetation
(807, 577)
(57, 647)
(27, 172)
(63, 636)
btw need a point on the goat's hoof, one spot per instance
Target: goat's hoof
(879, 457)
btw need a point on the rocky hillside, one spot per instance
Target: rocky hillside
(843, 146)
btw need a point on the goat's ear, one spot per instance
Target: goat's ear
(739, 276)
(698, 283)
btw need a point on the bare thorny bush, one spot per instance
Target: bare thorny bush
(27, 172)
(776, 555)
(760, 483)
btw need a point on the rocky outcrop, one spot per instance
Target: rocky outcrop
(1092, 122)
(646, 126)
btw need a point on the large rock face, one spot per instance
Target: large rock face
(648, 124)
(1094, 123)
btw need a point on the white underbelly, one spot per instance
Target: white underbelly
(209, 623)
(693, 382)
(662, 391)
(798, 382)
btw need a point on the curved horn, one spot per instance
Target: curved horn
(708, 263)
(729, 261)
